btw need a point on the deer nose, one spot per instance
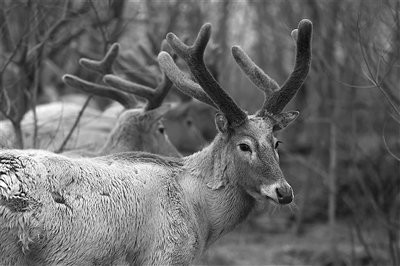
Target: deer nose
(284, 194)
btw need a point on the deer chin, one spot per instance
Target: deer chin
(263, 197)
(268, 192)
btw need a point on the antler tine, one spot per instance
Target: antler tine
(279, 99)
(127, 101)
(103, 66)
(160, 93)
(181, 81)
(153, 96)
(165, 47)
(255, 74)
(193, 56)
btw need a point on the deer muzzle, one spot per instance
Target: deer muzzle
(280, 192)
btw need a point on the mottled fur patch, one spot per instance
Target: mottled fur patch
(144, 157)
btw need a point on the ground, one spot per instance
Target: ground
(263, 240)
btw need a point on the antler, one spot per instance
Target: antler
(278, 97)
(103, 67)
(256, 75)
(182, 81)
(155, 96)
(193, 56)
(128, 101)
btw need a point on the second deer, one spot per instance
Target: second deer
(137, 128)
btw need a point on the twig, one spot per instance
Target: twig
(370, 76)
(386, 145)
(362, 240)
(33, 102)
(55, 132)
(103, 33)
(11, 57)
(18, 133)
(49, 34)
(59, 150)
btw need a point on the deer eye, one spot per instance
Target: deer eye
(277, 144)
(189, 122)
(244, 147)
(161, 130)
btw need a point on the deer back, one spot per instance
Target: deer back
(108, 210)
(54, 121)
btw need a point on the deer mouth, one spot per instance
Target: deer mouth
(278, 193)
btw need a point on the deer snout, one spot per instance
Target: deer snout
(284, 194)
(280, 192)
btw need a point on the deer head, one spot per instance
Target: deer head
(245, 151)
(137, 129)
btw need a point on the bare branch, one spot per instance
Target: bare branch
(78, 118)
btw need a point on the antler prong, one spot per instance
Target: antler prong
(127, 86)
(279, 99)
(181, 81)
(193, 56)
(100, 90)
(103, 66)
(256, 75)
(154, 97)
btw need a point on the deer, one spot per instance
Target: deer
(54, 121)
(140, 208)
(138, 128)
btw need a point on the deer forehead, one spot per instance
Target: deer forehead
(131, 114)
(257, 128)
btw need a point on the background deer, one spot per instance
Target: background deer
(135, 208)
(54, 121)
(137, 129)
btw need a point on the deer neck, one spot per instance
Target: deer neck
(122, 139)
(209, 182)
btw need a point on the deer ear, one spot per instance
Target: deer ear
(221, 122)
(284, 119)
(158, 113)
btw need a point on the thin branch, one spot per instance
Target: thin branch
(11, 57)
(64, 143)
(370, 76)
(33, 102)
(356, 86)
(103, 33)
(49, 34)
(63, 43)
(386, 145)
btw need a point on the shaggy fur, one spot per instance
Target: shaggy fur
(107, 210)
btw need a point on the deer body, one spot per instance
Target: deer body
(122, 209)
(54, 122)
(125, 208)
